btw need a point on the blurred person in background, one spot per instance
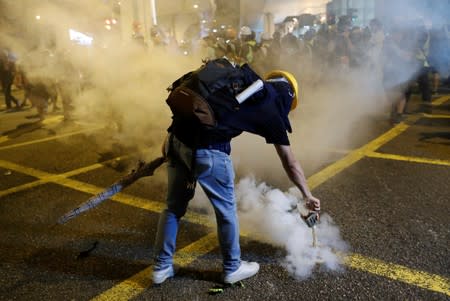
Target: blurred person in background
(358, 53)
(245, 46)
(274, 50)
(291, 54)
(321, 55)
(208, 51)
(398, 67)
(262, 60)
(222, 48)
(375, 49)
(68, 83)
(342, 46)
(439, 56)
(7, 74)
(420, 41)
(39, 80)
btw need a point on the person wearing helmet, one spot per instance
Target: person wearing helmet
(246, 45)
(262, 61)
(265, 113)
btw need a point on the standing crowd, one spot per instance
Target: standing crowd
(400, 58)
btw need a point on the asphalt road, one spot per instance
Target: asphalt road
(388, 196)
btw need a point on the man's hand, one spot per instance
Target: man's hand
(313, 204)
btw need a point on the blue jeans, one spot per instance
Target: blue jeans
(214, 172)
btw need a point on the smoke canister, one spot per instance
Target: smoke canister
(252, 89)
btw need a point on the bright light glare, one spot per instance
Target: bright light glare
(108, 27)
(80, 38)
(114, 21)
(38, 17)
(196, 6)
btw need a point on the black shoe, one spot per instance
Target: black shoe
(396, 118)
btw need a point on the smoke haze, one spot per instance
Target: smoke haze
(126, 91)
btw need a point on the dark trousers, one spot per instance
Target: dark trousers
(7, 84)
(424, 84)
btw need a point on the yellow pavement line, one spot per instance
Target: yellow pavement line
(440, 116)
(25, 170)
(52, 120)
(331, 170)
(439, 101)
(36, 124)
(62, 179)
(49, 138)
(22, 187)
(136, 284)
(407, 158)
(397, 272)
(50, 177)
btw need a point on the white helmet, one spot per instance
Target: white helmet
(245, 31)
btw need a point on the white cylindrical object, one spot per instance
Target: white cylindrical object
(153, 8)
(252, 89)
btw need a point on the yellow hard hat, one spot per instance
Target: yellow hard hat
(292, 81)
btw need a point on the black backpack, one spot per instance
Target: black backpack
(207, 94)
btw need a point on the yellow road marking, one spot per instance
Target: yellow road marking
(4, 139)
(354, 156)
(439, 101)
(397, 272)
(25, 170)
(46, 178)
(136, 284)
(61, 179)
(52, 120)
(49, 138)
(441, 116)
(22, 187)
(407, 158)
(36, 124)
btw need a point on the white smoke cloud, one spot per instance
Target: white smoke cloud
(271, 216)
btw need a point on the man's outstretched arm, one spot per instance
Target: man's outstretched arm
(296, 175)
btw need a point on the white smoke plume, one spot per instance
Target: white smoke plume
(272, 216)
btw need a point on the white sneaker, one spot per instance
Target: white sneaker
(246, 270)
(162, 275)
